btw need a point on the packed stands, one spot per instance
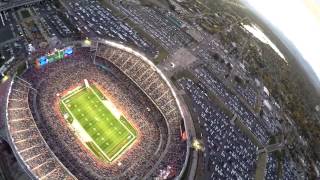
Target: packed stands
(28, 141)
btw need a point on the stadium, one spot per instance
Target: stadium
(103, 111)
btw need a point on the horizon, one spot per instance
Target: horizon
(304, 37)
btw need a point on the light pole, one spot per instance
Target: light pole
(95, 54)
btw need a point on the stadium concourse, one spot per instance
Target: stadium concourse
(49, 148)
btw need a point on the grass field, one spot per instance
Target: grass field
(96, 121)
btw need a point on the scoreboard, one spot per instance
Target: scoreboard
(56, 55)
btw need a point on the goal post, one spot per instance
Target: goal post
(86, 83)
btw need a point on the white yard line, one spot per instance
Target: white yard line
(123, 147)
(73, 92)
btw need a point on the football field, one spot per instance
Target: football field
(97, 122)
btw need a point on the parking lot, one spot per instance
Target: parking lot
(92, 19)
(12, 41)
(160, 25)
(229, 154)
(233, 103)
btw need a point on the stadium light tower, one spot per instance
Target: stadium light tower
(87, 42)
(197, 145)
(96, 51)
(3, 78)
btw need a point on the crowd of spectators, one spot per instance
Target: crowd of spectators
(158, 147)
(26, 138)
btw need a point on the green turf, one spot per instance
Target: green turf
(109, 136)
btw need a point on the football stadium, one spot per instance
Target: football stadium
(99, 111)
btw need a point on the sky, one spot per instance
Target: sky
(299, 21)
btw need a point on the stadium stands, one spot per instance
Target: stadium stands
(27, 140)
